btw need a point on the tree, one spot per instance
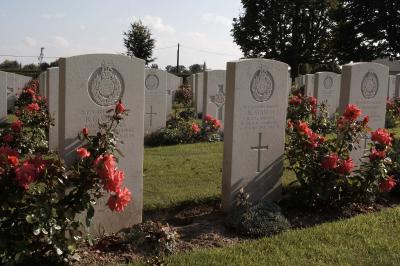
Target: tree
(44, 66)
(295, 32)
(196, 68)
(173, 69)
(154, 66)
(30, 67)
(366, 30)
(139, 43)
(10, 65)
(54, 63)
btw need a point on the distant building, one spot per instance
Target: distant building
(394, 66)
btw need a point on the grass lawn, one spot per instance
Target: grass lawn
(363, 240)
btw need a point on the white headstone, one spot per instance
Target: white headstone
(3, 96)
(11, 91)
(327, 90)
(309, 85)
(199, 83)
(156, 100)
(90, 85)
(365, 85)
(254, 138)
(214, 93)
(397, 89)
(52, 84)
(391, 87)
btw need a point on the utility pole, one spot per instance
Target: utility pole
(177, 61)
(40, 58)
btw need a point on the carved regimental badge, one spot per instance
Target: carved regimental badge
(262, 85)
(219, 98)
(152, 82)
(328, 82)
(370, 85)
(106, 86)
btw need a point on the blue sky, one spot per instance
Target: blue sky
(72, 27)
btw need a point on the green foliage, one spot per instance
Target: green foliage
(263, 218)
(184, 95)
(139, 42)
(9, 65)
(295, 32)
(366, 30)
(392, 112)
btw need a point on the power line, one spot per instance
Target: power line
(208, 52)
(33, 56)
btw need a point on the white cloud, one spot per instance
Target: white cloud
(217, 19)
(60, 41)
(52, 16)
(82, 27)
(157, 24)
(29, 41)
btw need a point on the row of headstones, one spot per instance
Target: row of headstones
(368, 85)
(209, 92)
(326, 86)
(256, 92)
(11, 85)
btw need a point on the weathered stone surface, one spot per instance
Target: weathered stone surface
(3, 96)
(327, 90)
(52, 85)
(90, 85)
(365, 85)
(156, 100)
(254, 136)
(199, 83)
(214, 93)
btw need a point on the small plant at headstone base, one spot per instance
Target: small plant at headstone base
(263, 218)
(28, 134)
(158, 238)
(393, 161)
(184, 95)
(373, 176)
(40, 197)
(392, 112)
(322, 163)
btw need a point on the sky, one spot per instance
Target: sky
(72, 27)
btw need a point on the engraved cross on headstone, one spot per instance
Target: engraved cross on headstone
(219, 100)
(151, 115)
(259, 148)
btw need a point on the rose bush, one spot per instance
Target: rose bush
(41, 197)
(392, 112)
(322, 162)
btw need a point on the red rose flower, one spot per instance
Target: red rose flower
(303, 128)
(330, 162)
(195, 128)
(216, 123)
(120, 200)
(290, 124)
(296, 100)
(39, 163)
(16, 126)
(352, 112)
(32, 107)
(388, 184)
(208, 117)
(85, 131)
(82, 153)
(313, 101)
(25, 174)
(120, 108)
(346, 166)
(365, 120)
(114, 183)
(382, 136)
(105, 166)
(8, 138)
(13, 160)
(375, 155)
(31, 92)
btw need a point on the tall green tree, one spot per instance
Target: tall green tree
(366, 30)
(10, 65)
(293, 31)
(139, 42)
(195, 68)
